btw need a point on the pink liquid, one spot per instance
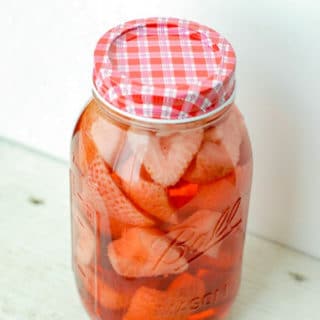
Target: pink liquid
(144, 249)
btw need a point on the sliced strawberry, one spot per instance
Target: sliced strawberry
(228, 133)
(108, 289)
(149, 304)
(167, 158)
(220, 150)
(105, 295)
(183, 190)
(182, 193)
(83, 152)
(211, 162)
(173, 304)
(83, 238)
(87, 117)
(145, 253)
(196, 232)
(84, 149)
(232, 216)
(186, 291)
(215, 196)
(89, 201)
(121, 212)
(108, 294)
(152, 198)
(108, 138)
(92, 206)
(187, 286)
(148, 195)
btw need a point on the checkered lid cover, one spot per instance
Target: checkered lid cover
(164, 68)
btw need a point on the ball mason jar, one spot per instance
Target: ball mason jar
(160, 176)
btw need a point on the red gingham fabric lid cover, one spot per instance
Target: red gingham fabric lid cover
(164, 68)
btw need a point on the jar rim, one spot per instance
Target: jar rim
(201, 120)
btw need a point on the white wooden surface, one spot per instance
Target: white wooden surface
(36, 282)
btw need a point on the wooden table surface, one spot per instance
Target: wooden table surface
(36, 281)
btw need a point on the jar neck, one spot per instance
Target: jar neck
(158, 125)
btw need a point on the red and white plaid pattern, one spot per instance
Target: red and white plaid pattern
(164, 68)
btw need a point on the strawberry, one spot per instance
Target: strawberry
(89, 202)
(196, 232)
(84, 149)
(145, 253)
(148, 195)
(215, 196)
(109, 290)
(187, 286)
(167, 158)
(228, 133)
(215, 235)
(108, 138)
(83, 152)
(173, 304)
(211, 162)
(108, 294)
(220, 150)
(121, 213)
(149, 304)
(182, 193)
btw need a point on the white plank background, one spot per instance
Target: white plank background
(36, 282)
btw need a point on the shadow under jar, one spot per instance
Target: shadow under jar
(160, 176)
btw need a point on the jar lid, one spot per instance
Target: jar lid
(164, 68)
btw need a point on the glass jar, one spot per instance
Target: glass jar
(160, 188)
